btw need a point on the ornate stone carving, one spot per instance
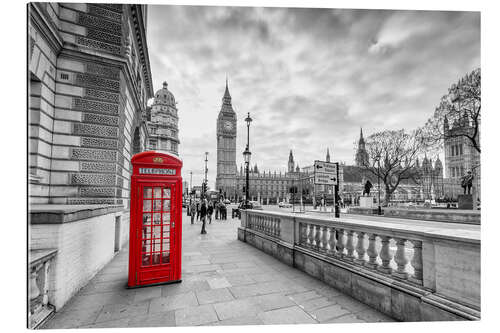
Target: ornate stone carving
(93, 154)
(98, 143)
(104, 37)
(94, 106)
(96, 191)
(95, 130)
(101, 201)
(109, 72)
(92, 80)
(114, 7)
(104, 95)
(95, 44)
(99, 23)
(100, 11)
(92, 179)
(100, 119)
(97, 167)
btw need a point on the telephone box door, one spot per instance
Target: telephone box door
(157, 232)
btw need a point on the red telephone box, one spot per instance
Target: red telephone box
(155, 219)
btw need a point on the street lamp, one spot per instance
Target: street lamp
(378, 179)
(246, 155)
(206, 180)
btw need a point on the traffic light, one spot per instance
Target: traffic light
(244, 188)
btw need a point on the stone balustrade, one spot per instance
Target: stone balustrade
(411, 272)
(41, 262)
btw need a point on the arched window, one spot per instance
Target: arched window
(136, 143)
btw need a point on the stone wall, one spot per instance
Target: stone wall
(411, 273)
(84, 237)
(89, 83)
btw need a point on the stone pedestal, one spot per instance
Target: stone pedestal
(366, 202)
(465, 201)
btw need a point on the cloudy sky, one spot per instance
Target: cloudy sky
(310, 78)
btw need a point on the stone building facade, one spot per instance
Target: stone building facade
(163, 122)
(89, 82)
(460, 156)
(270, 187)
(226, 147)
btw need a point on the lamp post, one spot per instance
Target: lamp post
(379, 211)
(206, 180)
(246, 155)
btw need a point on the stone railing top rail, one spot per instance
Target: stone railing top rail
(54, 214)
(436, 210)
(388, 227)
(41, 255)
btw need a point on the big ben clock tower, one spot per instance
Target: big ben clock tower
(226, 147)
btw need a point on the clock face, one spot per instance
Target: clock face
(228, 125)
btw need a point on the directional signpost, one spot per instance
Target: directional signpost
(326, 173)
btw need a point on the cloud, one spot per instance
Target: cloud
(309, 77)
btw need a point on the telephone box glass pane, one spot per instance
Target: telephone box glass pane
(166, 218)
(146, 219)
(165, 257)
(157, 232)
(146, 245)
(146, 232)
(156, 245)
(166, 233)
(156, 258)
(148, 192)
(145, 259)
(166, 205)
(146, 206)
(157, 205)
(156, 218)
(157, 192)
(166, 193)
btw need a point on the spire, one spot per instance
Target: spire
(328, 154)
(361, 139)
(290, 157)
(227, 96)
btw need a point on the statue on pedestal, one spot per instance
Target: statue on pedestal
(368, 187)
(467, 182)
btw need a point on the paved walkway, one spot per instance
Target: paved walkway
(225, 282)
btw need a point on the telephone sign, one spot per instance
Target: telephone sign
(155, 219)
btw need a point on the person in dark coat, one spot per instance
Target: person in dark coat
(198, 210)
(203, 216)
(210, 211)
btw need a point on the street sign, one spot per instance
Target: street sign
(325, 167)
(325, 179)
(325, 173)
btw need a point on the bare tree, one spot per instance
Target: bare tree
(392, 157)
(458, 113)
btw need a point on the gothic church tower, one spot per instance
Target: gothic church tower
(226, 147)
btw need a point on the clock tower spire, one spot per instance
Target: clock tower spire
(226, 147)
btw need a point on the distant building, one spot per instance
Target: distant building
(226, 147)
(460, 157)
(162, 122)
(361, 157)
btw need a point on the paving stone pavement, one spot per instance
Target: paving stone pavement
(224, 282)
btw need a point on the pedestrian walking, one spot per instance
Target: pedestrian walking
(217, 210)
(223, 211)
(203, 216)
(192, 208)
(210, 211)
(198, 204)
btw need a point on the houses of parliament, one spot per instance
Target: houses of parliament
(271, 187)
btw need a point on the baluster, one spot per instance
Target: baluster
(317, 236)
(385, 255)
(416, 262)
(350, 245)
(34, 292)
(310, 235)
(400, 259)
(45, 289)
(341, 243)
(372, 252)
(360, 249)
(279, 227)
(302, 234)
(332, 241)
(324, 239)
